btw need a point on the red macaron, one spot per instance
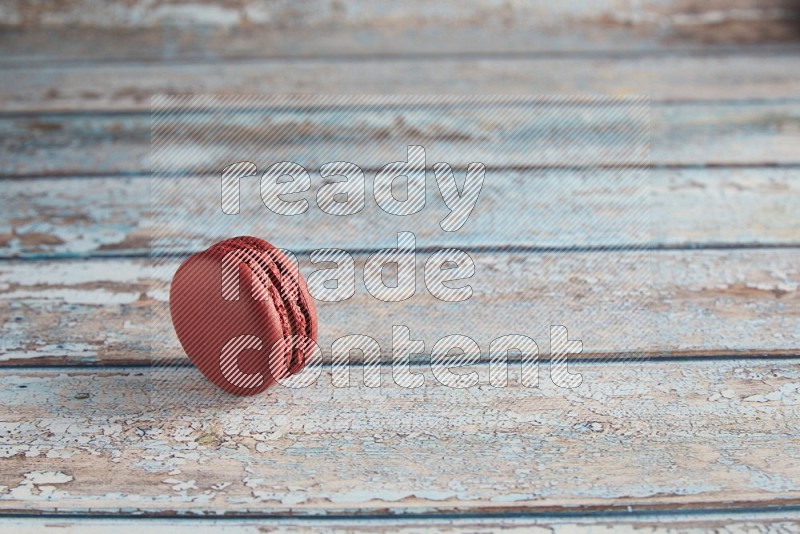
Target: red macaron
(243, 314)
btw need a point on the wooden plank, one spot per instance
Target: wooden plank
(142, 30)
(643, 437)
(709, 134)
(61, 217)
(196, 134)
(382, 13)
(126, 45)
(128, 87)
(643, 304)
(774, 522)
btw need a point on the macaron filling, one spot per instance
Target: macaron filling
(274, 272)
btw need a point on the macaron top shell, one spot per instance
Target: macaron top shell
(236, 308)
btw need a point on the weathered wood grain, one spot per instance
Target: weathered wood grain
(313, 13)
(59, 46)
(709, 134)
(65, 30)
(699, 435)
(62, 217)
(382, 13)
(643, 304)
(129, 87)
(642, 437)
(760, 522)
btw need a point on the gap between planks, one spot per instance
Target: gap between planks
(618, 53)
